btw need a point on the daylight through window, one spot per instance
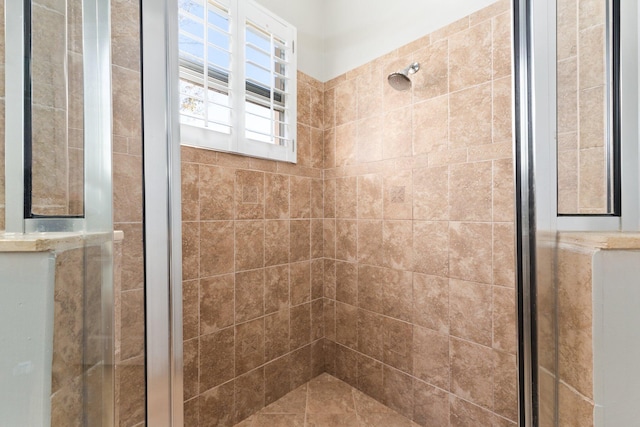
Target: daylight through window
(237, 79)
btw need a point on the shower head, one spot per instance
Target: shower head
(400, 80)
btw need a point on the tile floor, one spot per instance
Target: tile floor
(325, 401)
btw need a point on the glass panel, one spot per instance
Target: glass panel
(57, 105)
(586, 108)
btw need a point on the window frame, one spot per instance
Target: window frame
(241, 12)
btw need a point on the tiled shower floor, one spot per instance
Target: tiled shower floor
(325, 401)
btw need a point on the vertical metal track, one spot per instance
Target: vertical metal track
(163, 245)
(525, 215)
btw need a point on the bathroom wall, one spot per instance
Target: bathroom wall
(582, 107)
(128, 204)
(252, 270)
(419, 227)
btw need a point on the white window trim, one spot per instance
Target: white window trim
(236, 142)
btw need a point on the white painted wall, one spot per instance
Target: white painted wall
(335, 36)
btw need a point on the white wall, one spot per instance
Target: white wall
(335, 36)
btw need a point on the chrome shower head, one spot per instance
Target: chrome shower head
(400, 80)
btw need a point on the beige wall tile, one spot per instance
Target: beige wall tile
(370, 197)
(431, 248)
(370, 89)
(431, 357)
(369, 140)
(397, 133)
(470, 191)
(216, 358)
(398, 391)
(567, 29)
(347, 283)
(216, 299)
(249, 295)
(346, 102)
(433, 78)
(276, 196)
(216, 247)
(470, 117)
(431, 125)
(502, 45)
(431, 194)
(505, 386)
(575, 410)
(431, 405)
(472, 372)
(370, 288)
(470, 251)
(276, 288)
(216, 193)
(470, 306)
(398, 195)
(397, 297)
(431, 302)
(370, 242)
(470, 57)
(249, 243)
(300, 282)
(249, 345)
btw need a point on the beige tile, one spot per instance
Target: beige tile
(450, 29)
(505, 386)
(398, 344)
(317, 199)
(329, 277)
(398, 391)
(249, 295)
(329, 108)
(329, 198)
(301, 366)
(249, 194)
(370, 242)
(317, 328)
(575, 341)
(592, 186)
(504, 319)
(398, 195)
(300, 197)
(190, 192)
(397, 295)
(567, 87)
(346, 240)
(431, 405)
(216, 358)
(470, 192)
(300, 245)
(216, 406)
(300, 282)
(276, 196)
(276, 288)
(190, 251)
(300, 326)
(503, 190)
(276, 247)
(466, 414)
(276, 334)
(470, 117)
(331, 420)
(431, 194)
(370, 196)
(328, 395)
(397, 133)
(216, 248)
(431, 248)
(369, 140)
(294, 402)
(502, 45)
(397, 244)
(431, 357)
(568, 181)
(347, 283)
(304, 104)
(567, 29)
(431, 302)
(190, 307)
(590, 13)
(472, 372)
(216, 303)
(329, 244)
(470, 57)
(574, 409)
(329, 314)
(216, 197)
(470, 306)
(249, 345)
(370, 381)
(347, 325)
(502, 109)
(249, 394)
(592, 56)
(592, 117)
(346, 197)
(127, 185)
(470, 251)
(370, 334)
(369, 100)
(346, 102)
(490, 11)
(431, 125)
(329, 150)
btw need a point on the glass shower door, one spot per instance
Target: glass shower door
(56, 230)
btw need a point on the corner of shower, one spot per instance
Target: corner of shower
(57, 243)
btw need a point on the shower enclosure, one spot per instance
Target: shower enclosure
(57, 240)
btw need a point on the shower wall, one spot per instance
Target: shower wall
(252, 270)
(128, 204)
(419, 227)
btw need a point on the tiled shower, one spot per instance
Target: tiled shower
(384, 257)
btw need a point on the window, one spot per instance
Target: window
(237, 79)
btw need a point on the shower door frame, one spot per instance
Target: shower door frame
(162, 214)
